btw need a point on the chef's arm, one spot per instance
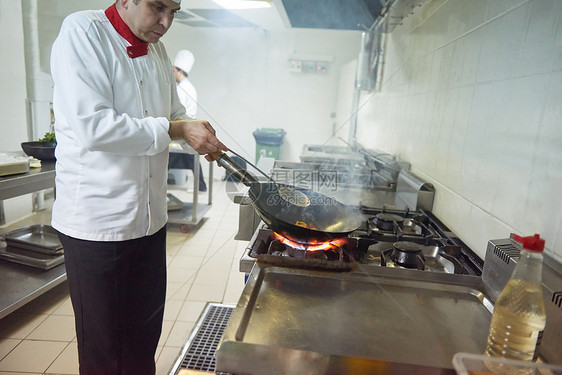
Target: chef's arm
(199, 134)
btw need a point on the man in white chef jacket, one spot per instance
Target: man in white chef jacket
(116, 109)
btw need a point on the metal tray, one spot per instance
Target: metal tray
(12, 164)
(402, 316)
(31, 258)
(174, 203)
(39, 238)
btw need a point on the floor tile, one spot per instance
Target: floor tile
(232, 293)
(191, 311)
(180, 274)
(171, 309)
(48, 302)
(206, 292)
(66, 362)
(6, 346)
(186, 261)
(64, 308)
(179, 334)
(166, 360)
(215, 277)
(32, 356)
(18, 325)
(54, 328)
(166, 329)
(181, 291)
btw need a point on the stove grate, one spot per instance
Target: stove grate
(199, 351)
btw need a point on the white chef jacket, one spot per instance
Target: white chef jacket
(188, 97)
(111, 123)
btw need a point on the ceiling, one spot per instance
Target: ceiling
(281, 14)
(312, 14)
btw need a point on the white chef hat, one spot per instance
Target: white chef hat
(177, 1)
(184, 60)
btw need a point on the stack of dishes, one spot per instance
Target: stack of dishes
(36, 246)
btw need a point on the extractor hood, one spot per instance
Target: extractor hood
(333, 14)
(352, 15)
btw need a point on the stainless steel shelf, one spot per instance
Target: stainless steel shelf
(34, 180)
(20, 284)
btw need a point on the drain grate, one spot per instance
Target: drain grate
(199, 351)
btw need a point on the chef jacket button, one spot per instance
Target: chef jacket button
(141, 82)
(146, 113)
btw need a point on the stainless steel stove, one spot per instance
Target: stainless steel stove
(401, 294)
(360, 309)
(387, 237)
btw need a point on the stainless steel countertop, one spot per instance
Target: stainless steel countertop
(298, 320)
(34, 180)
(21, 284)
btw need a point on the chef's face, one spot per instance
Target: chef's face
(149, 19)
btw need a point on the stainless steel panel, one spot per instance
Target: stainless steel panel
(501, 258)
(286, 361)
(413, 192)
(401, 316)
(499, 263)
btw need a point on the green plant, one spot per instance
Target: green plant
(49, 137)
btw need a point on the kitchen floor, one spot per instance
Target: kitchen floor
(39, 338)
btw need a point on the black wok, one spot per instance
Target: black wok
(321, 219)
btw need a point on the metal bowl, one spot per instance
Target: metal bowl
(40, 150)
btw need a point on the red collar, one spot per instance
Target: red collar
(138, 47)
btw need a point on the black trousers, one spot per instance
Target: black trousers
(117, 291)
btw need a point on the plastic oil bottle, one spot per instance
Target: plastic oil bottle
(519, 314)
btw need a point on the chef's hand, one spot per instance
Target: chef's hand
(198, 134)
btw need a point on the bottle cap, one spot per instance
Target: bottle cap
(532, 243)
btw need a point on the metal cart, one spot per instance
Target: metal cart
(190, 214)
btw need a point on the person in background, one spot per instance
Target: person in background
(116, 104)
(186, 91)
(188, 97)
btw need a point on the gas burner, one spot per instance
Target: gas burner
(387, 222)
(338, 249)
(391, 223)
(415, 256)
(417, 240)
(395, 228)
(407, 255)
(329, 250)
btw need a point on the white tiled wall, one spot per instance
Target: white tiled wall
(13, 93)
(12, 77)
(471, 95)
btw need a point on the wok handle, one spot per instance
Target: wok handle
(230, 165)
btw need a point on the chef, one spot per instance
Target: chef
(187, 93)
(116, 109)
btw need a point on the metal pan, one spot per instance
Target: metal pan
(321, 219)
(40, 238)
